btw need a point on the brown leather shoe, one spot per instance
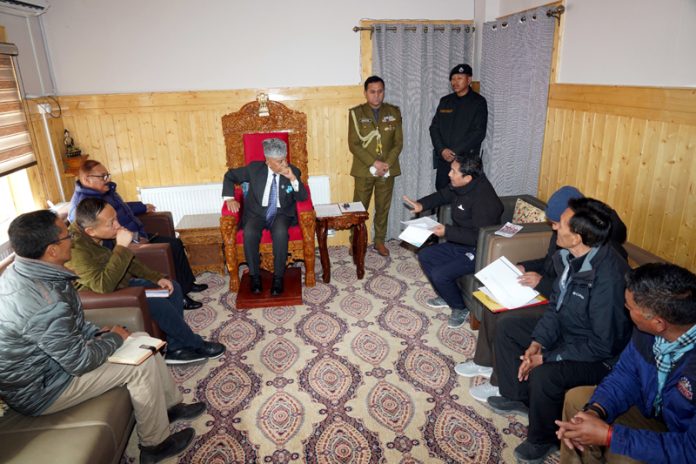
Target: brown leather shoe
(381, 249)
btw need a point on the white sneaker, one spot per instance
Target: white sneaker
(437, 302)
(471, 369)
(483, 391)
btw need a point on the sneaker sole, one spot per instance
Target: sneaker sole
(216, 356)
(504, 412)
(521, 460)
(453, 326)
(436, 306)
(183, 361)
(486, 374)
(478, 398)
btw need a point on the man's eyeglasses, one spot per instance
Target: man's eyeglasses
(71, 236)
(104, 177)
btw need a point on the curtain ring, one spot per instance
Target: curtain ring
(523, 19)
(505, 24)
(533, 17)
(494, 27)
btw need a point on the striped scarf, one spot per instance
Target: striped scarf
(667, 355)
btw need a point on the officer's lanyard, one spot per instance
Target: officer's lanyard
(374, 134)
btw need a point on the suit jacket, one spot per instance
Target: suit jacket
(256, 174)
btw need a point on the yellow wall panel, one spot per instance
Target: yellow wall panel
(634, 148)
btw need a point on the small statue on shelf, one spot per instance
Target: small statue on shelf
(70, 149)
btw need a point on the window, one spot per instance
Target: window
(16, 151)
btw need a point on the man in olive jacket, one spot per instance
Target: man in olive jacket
(375, 139)
(51, 358)
(103, 271)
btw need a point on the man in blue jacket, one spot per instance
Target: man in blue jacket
(644, 410)
(95, 182)
(578, 338)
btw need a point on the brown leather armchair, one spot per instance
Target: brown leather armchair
(531, 242)
(157, 256)
(159, 222)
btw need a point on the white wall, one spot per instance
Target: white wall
(106, 46)
(624, 42)
(25, 32)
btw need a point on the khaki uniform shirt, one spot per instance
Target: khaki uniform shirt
(389, 125)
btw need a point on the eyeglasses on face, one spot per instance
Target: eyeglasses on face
(71, 236)
(104, 177)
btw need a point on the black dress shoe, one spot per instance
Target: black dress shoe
(184, 411)
(211, 350)
(277, 287)
(190, 303)
(171, 446)
(256, 285)
(198, 287)
(183, 356)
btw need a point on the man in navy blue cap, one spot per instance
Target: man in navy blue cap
(459, 124)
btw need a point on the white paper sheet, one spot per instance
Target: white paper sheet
(352, 207)
(415, 235)
(426, 222)
(500, 277)
(330, 210)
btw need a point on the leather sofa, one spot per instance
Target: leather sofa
(96, 431)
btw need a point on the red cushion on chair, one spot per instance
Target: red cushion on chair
(253, 145)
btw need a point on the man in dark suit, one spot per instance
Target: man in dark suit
(274, 188)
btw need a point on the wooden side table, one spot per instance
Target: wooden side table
(203, 241)
(356, 221)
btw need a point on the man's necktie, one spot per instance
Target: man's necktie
(272, 203)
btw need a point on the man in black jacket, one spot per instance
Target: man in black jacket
(474, 205)
(538, 274)
(578, 338)
(459, 124)
(270, 203)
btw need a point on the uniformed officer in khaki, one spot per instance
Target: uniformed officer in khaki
(375, 139)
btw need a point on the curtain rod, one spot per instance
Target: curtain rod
(467, 29)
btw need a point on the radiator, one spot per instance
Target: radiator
(320, 189)
(207, 198)
(184, 199)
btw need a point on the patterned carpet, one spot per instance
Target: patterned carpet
(363, 373)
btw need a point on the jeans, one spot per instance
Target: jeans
(443, 264)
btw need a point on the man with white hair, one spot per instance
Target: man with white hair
(269, 203)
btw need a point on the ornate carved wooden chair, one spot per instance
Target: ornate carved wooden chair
(244, 133)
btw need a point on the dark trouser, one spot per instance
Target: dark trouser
(184, 274)
(169, 315)
(547, 384)
(443, 264)
(442, 173)
(485, 347)
(383, 189)
(253, 227)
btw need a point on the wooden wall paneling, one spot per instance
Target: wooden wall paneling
(634, 148)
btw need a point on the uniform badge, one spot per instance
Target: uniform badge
(366, 120)
(684, 387)
(388, 118)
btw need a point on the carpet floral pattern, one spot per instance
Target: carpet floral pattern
(363, 372)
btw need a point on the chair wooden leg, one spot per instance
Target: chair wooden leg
(473, 322)
(308, 222)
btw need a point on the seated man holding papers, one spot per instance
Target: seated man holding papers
(579, 337)
(474, 205)
(54, 359)
(103, 270)
(538, 274)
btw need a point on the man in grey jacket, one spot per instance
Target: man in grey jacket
(51, 358)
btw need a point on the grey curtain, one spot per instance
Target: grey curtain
(515, 72)
(415, 61)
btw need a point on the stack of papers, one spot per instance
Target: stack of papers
(500, 279)
(353, 207)
(418, 230)
(330, 210)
